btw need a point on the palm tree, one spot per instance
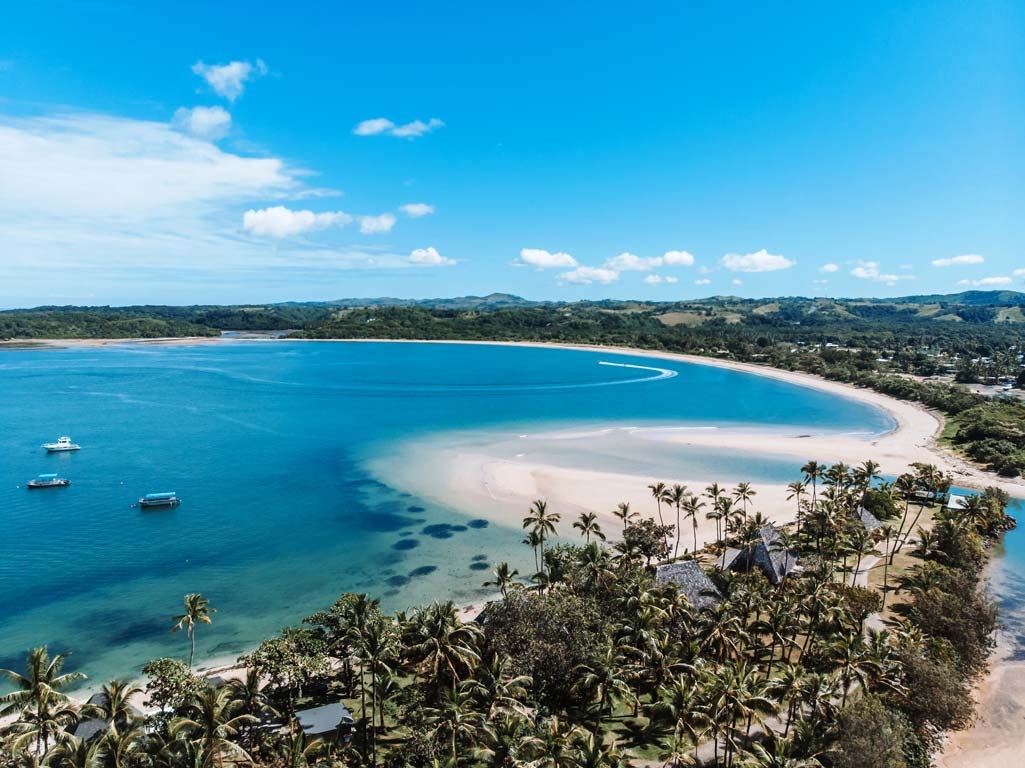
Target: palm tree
(675, 496)
(779, 754)
(504, 578)
(438, 642)
(796, 491)
(744, 493)
(622, 511)
(588, 525)
(533, 540)
(887, 530)
(197, 609)
(543, 522)
(456, 720)
(658, 490)
(212, 720)
(37, 696)
(114, 706)
(906, 486)
(813, 473)
(692, 505)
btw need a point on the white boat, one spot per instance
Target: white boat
(63, 444)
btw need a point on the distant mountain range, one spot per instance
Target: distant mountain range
(508, 300)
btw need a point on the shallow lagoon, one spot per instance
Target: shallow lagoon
(268, 444)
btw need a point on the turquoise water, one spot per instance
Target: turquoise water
(268, 443)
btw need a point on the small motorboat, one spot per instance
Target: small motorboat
(168, 499)
(48, 481)
(63, 444)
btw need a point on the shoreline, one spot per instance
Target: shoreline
(504, 485)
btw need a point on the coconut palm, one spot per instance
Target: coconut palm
(796, 490)
(197, 611)
(658, 490)
(504, 578)
(691, 506)
(622, 511)
(675, 497)
(438, 642)
(37, 698)
(813, 472)
(588, 525)
(212, 720)
(114, 706)
(541, 521)
(744, 493)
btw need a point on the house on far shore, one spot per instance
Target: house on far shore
(775, 560)
(325, 721)
(691, 582)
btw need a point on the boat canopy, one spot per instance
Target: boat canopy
(52, 476)
(158, 496)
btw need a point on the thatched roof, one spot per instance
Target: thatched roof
(870, 521)
(769, 554)
(690, 581)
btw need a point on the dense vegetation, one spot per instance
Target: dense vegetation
(591, 662)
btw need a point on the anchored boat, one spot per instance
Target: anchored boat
(48, 481)
(168, 499)
(63, 444)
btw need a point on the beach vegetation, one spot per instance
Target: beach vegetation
(597, 663)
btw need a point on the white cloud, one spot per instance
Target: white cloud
(228, 80)
(588, 275)
(829, 268)
(819, 282)
(429, 257)
(375, 225)
(542, 259)
(869, 270)
(417, 128)
(416, 210)
(280, 221)
(759, 261)
(702, 281)
(210, 123)
(373, 127)
(657, 279)
(1019, 273)
(628, 262)
(736, 281)
(703, 270)
(968, 258)
(678, 259)
(111, 169)
(379, 125)
(987, 281)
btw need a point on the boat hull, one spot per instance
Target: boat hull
(35, 484)
(160, 503)
(61, 448)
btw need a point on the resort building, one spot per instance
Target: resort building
(325, 721)
(769, 554)
(691, 582)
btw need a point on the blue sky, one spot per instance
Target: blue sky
(241, 152)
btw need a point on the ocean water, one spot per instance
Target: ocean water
(269, 445)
